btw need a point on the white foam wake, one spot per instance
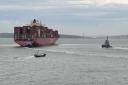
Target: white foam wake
(29, 57)
(8, 45)
(120, 48)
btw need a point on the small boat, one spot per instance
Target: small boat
(39, 54)
(106, 44)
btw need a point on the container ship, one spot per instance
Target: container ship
(34, 35)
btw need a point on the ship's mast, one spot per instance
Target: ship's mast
(107, 37)
(107, 41)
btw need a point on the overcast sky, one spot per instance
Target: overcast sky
(91, 17)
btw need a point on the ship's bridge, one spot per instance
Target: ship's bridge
(35, 23)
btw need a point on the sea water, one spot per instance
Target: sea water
(69, 62)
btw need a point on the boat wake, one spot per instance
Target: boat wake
(83, 53)
(71, 44)
(61, 51)
(8, 45)
(23, 58)
(86, 54)
(29, 57)
(56, 51)
(120, 48)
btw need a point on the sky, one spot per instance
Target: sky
(77, 17)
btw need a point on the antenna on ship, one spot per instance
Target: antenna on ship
(107, 37)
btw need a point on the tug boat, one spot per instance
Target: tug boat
(106, 44)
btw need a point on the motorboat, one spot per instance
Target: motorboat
(38, 54)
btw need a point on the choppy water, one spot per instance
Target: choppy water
(70, 62)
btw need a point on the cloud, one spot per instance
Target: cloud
(28, 7)
(60, 4)
(98, 2)
(69, 16)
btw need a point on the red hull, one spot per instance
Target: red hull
(37, 42)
